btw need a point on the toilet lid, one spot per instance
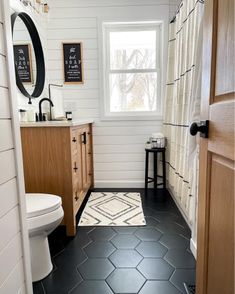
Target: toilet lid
(38, 204)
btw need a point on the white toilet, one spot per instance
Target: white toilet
(44, 214)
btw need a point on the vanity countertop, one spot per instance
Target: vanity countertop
(54, 123)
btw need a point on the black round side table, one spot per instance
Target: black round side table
(155, 177)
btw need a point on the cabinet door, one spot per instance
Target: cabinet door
(86, 152)
(89, 157)
(76, 164)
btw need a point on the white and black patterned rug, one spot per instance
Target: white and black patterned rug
(113, 209)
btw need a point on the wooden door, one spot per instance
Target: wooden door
(83, 140)
(89, 157)
(76, 166)
(215, 257)
(86, 147)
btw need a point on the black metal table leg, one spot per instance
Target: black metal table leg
(164, 169)
(146, 169)
(155, 169)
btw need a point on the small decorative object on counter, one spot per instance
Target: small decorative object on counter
(23, 115)
(69, 115)
(45, 8)
(158, 140)
(148, 145)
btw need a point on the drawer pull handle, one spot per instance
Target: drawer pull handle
(89, 153)
(90, 174)
(74, 139)
(75, 167)
(76, 196)
(84, 138)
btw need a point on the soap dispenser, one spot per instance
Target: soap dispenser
(30, 112)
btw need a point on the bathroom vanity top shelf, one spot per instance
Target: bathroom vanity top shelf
(57, 123)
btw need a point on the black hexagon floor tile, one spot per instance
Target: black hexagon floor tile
(155, 269)
(125, 241)
(69, 257)
(99, 249)
(96, 269)
(125, 258)
(151, 249)
(126, 281)
(181, 276)
(61, 281)
(158, 287)
(167, 217)
(148, 234)
(171, 228)
(181, 221)
(92, 287)
(174, 241)
(102, 233)
(81, 239)
(125, 230)
(148, 211)
(180, 258)
(38, 288)
(151, 221)
(85, 229)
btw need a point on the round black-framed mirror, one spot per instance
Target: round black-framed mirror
(39, 56)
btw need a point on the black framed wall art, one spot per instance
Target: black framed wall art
(73, 63)
(23, 62)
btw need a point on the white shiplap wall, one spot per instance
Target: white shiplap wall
(118, 145)
(15, 276)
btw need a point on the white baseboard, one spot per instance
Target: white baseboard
(193, 248)
(122, 184)
(119, 184)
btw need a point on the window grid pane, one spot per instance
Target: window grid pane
(133, 50)
(133, 92)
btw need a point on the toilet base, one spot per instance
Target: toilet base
(41, 264)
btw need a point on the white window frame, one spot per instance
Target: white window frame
(107, 28)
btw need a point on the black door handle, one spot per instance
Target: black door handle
(84, 138)
(202, 127)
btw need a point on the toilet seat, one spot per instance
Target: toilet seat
(38, 204)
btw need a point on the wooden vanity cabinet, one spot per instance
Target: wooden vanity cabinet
(59, 160)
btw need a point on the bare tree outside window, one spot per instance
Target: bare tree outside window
(131, 69)
(133, 76)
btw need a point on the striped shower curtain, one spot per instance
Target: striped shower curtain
(182, 104)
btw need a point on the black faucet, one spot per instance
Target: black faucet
(40, 116)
